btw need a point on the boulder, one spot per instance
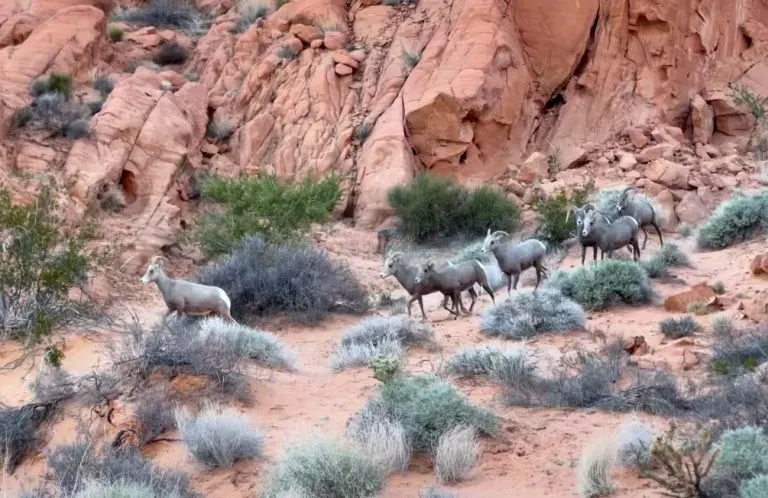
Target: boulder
(700, 292)
(759, 264)
(666, 202)
(702, 120)
(627, 161)
(637, 138)
(729, 118)
(691, 209)
(536, 167)
(667, 173)
(654, 152)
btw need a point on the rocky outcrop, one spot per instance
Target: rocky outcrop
(140, 140)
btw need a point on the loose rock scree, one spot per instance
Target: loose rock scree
(452, 279)
(585, 241)
(641, 210)
(514, 258)
(611, 236)
(186, 297)
(397, 265)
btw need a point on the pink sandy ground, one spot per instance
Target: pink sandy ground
(538, 452)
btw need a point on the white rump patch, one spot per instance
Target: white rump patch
(224, 297)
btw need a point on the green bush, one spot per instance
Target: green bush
(60, 83)
(427, 406)
(553, 211)
(604, 284)
(743, 452)
(431, 208)
(670, 255)
(675, 328)
(38, 267)
(325, 468)
(264, 206)
(757, 487)
(115, 33)
(741, 218)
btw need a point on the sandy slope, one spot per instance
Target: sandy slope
(538, 452)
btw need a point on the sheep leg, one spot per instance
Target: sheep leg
(421, 305)
(461, 305)
(645, 240)
(541, 270)
(456, 296)
(658, 230)
(636, 252)
(514, 284)
(445, 303)
(488, 289)
(583, 253)
(167, 314)
(473, 295)
(594, 253)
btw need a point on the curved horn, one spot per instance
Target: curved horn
(625, 191)
(500, 233)
(158, 260)
(588, 207)
(395, 255)
(571, 207)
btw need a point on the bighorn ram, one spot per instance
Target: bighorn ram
(585, 240)
(611, 236)
(641, 210)
(405, 273)
(454, 278)
(514, 258)
(186, 297)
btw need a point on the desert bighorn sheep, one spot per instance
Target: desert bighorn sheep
(514, 258)
(452, 279)
(586, 240)
(641, 210)
(406, 273)
(186, 297)
(611, 236)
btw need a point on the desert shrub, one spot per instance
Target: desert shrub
(757, 487)
(170, 53)
(112, 199)
(527, 314)
(410, 58)
(95, 106)
(594, 469)
(427, 406)
(379, 335)
(263, 206)
(174, 349)
(102, 83)
(386, 441)
(79, 128)
(433, 207)
(484, 360)
(38, 267)
(432, 492)
(698, 308)
(217, 437)
(21, 429)
(119, 489)
(363, 131)
(634, 443)
(675, 328)
(162, 14)
(741, 218)
(154, 415)
(56, 83)
(325, 468)
(264, 279)
(386, 367)
(743, 452)
(220, 129)
(250, 11)
(287, 52)
(115, 33)
(263, 347)
(553, 227)
(719, 287)
(76, 464)
(54, 113)
(668, 256)
(722, 326)
(457, 453)
(604, 284)
(685, 229)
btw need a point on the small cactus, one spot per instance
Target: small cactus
(386, 367)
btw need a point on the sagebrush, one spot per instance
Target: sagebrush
(527, 314)
(675, 328)
(263, 206)
(264, 279)
(162, 14)
(741, 218)
(431, 208)
(657, 266)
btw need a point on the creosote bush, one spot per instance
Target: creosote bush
(217, 437)
(431, 207)
(170, 53)
(604, 284)
(741, 218)
(675, 328)
(380, 335)
(162, 14)
(38, 267)
(527, 314)
(264, 206)
(426, 406)
(553, 211)
(325, 468)
(263, 279)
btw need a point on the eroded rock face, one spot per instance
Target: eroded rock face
(140, 140)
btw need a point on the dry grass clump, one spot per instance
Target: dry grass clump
(458, 450)
(595, 465)
(386, 441)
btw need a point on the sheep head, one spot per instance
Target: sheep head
(492, 240)
(424, 270)
(390, 264)
(154, 269)
(621, 204)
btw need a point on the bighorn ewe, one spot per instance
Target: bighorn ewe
(451, 279)
(186, 297)
(589, 240)
(514, 258)
(641, 210)
(406, 273)
(611, 236)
